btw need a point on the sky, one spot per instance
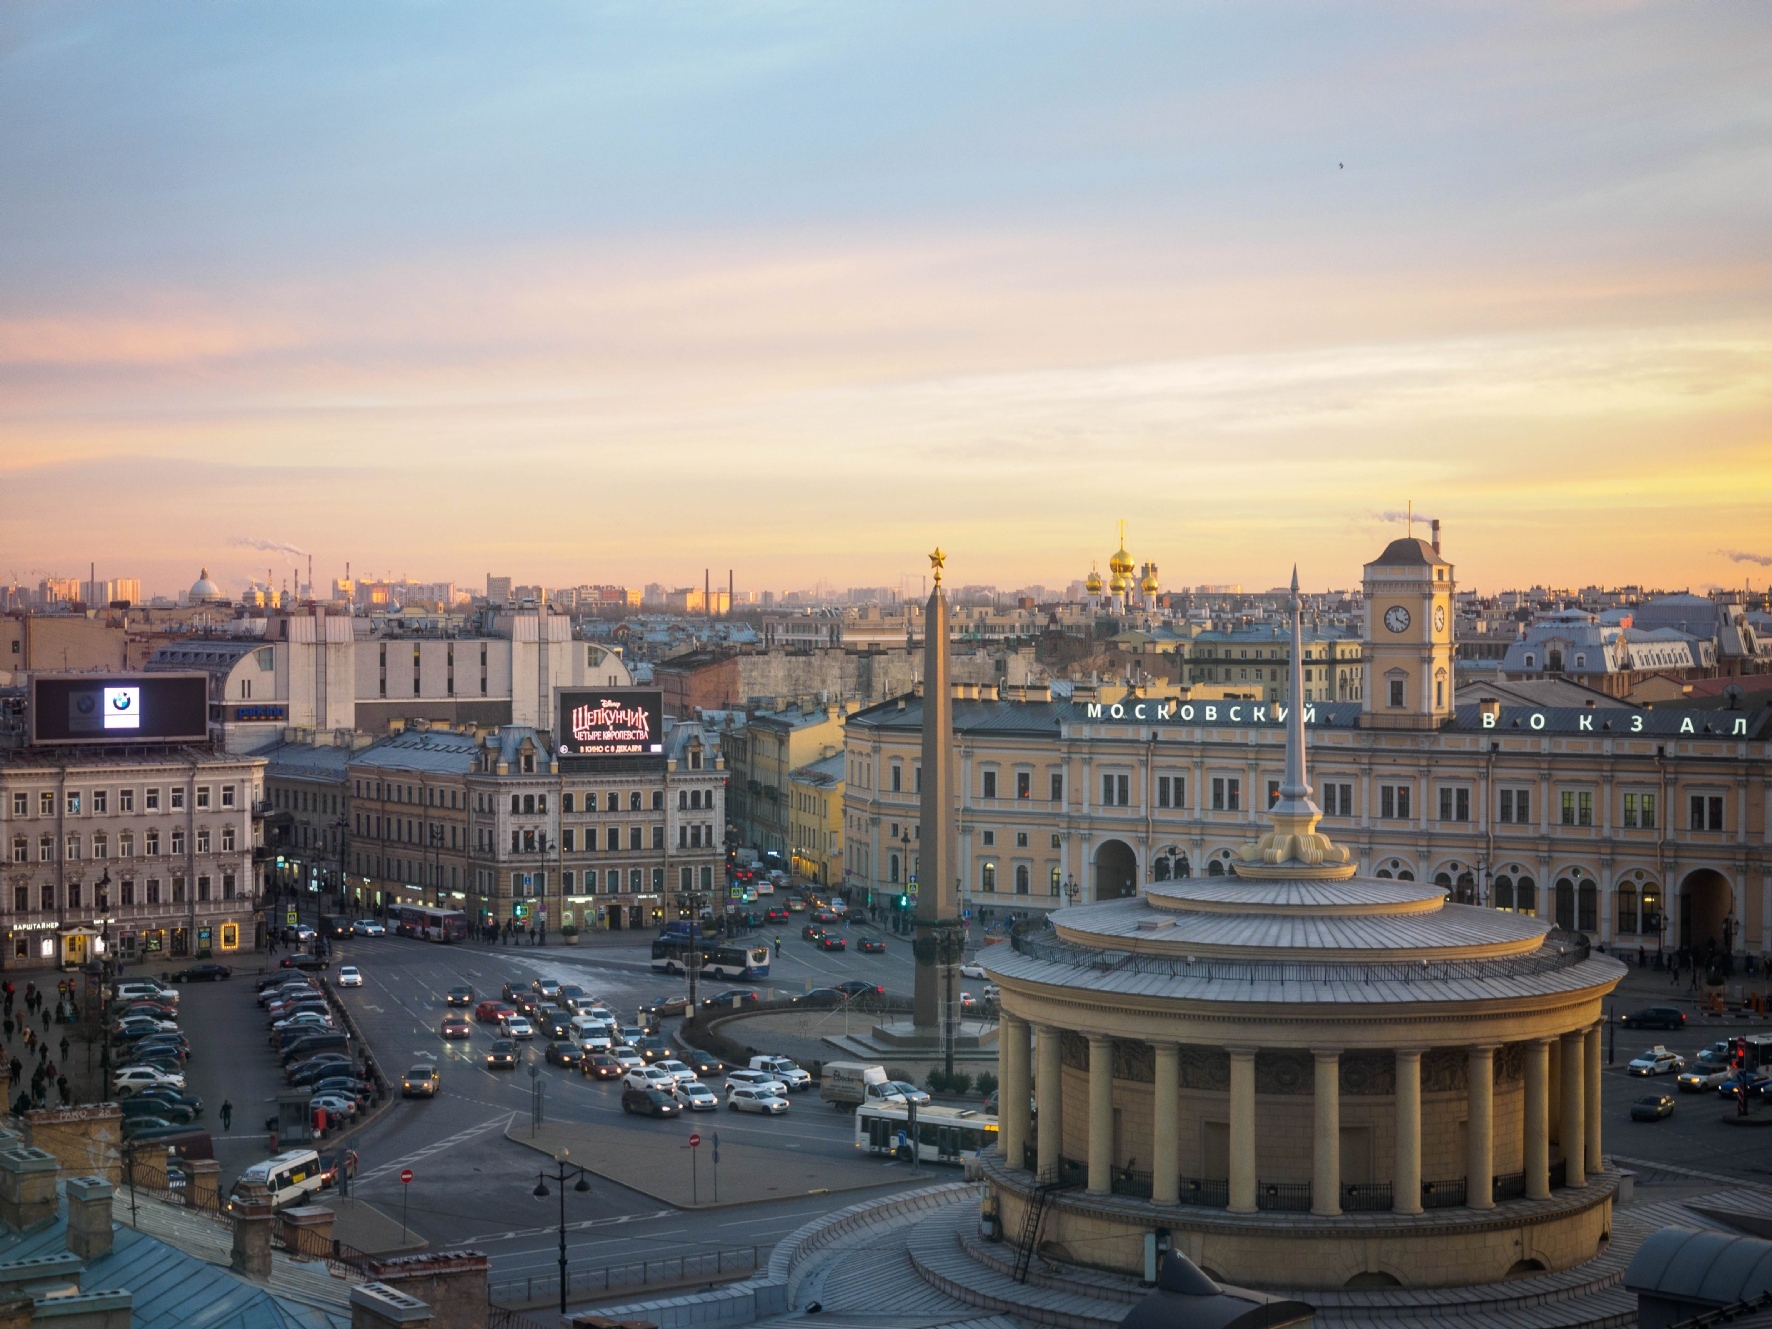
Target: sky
(579, 292)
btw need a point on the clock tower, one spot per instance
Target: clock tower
(1408, 666)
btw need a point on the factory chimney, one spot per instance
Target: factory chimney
(1436, 531)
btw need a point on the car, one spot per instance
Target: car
(343, 1161)
(855, 987)
(910, 1092)
(318, 1068)
(704, 1063)
(871, 946)
(1652, 1107)
(1656, 1017)
(733, 996)
(968, 1002)
(346, 1086)
(299, 933)
(144, 1077)
(149, 1006)
(825, 916)
(797, 906)
(648, 1077)
(783, 1070)
(662, 1006)
(1657, 1061)
(491, 1012)
(600, 1066)
(145, 988)
(677, 1070)
(746, 1099)
(349, 976)
(811, 932)
(516, 1026)
(972, 969)
(142, 1024)
(1703, 1077)
(627, 1059)
(369, 927)
(1758, 1082)
(142, 1105)
(334, 1105)
(548, 987)
(420, 1082)
(990, 993)
(654, 1102)
(830, 941)
(651, 1047)
(459, 995)
(696, 1096)
(134, 1127)
(303, 1021)
(502, 1055)
(308, 964)
(630, 1034)
(1719, 1053)
(750, 1079)
(776, 914)
(171, 1097)
(562, 1054)
(572, 992)
(456, 1026)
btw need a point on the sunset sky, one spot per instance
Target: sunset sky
(610, 293)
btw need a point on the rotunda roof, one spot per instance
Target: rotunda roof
(204, 589)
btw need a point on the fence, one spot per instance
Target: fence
(675, 1271)
(497, 1317)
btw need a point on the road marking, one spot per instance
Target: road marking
(504, 1119)
(586, 1225)
(428, 1056)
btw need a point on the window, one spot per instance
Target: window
(1627, 908)
(48, 899)
(1116, 790)
(101, 845)
(528, 804)
(1455, 803)
(897, 777)
(1577, 807)
(1588, 906)
(1023, 879)
(1273, 792)
(892, 869)
(153, 890)
(126, 800)
(1639, 811)
(202, 797)
(73, 802)
(46, 803)
(566, 839)
(566, 802)
(1024, 784)
(658, 837)
(989, 837)
(1338, 800)
(152, 840)
(1396, 691)
(1021, 839)
(1052, 881)
(46, 849)
(990, 784)
(227, 796)
(634, 803)
(73, 845)
(21, 803)
(126, 844)
(988, 879)
(1393, 802)
(634, 837)
(202, 888)
(1171, 791)
(657, 800)
(1227, 793)
(1057, 787)
(203, 839)
(177, 799)
(128, 892)
(613, 803)
(21, 849)
(1707, 812)
(1055, 839)
(1515, 805)
(100, 801)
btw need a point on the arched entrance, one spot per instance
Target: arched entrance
(1706, 903)
(1116, 871)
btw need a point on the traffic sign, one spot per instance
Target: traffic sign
(695, 1139)
(292, 917)
(406, 1176)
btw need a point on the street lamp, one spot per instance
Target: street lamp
(541, 1193)
(1071, 889)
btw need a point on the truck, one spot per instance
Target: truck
(849, 1084)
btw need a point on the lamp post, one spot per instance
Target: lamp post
(1071, 889)
(904, 860)
(541, 1193)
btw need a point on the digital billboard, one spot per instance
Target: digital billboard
(611, 722)
(120, 708)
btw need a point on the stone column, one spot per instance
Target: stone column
(1479, 1159)
(1574, 1104)
(1591, 1131)
(1406, 1173)
(1049, 1121)
(1012, 1098)
(1535, 1130)
(1101, 1115)
(1242, 1131)
(1326, 1138)
(1166, 1126)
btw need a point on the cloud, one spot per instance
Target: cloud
(1742, 556)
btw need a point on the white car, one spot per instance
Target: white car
(972, 969)
(314, 1018)
(368, 927)
(132, 1078)
(1703, 1077)
(1718, 1053)
(649, 1077)
(676, 1070)
(147, 1022)
(761, 1081)
(627, 1058)
(349, 976)
(696, 1096)
(517, 1026)
(334, 1105)
(784, 1071)
(1657, 1061)
(135, 991)
(746, 1099)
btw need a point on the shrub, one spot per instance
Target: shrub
(987, 1083)
(959, 1082)
(938, 1081)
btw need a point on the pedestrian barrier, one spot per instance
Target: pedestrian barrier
(697, 1269)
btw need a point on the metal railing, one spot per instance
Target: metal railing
(1510, 1186)
(1128, 1181)
(1284, 1196)
(1364, 1197)
(674, 1271)
(1442, 1194)
(1559, 951)
(1208, 1192)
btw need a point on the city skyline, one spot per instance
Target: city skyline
(600, 294)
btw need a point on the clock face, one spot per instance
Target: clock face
(1439, 618)
(1396, 618)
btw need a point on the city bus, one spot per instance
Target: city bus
(412, 920)
(670, 955)
(944, 1134)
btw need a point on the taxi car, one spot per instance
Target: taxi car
(1657, 1061)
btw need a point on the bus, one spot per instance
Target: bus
(670, 955)
(944, 1134)
(413, 920)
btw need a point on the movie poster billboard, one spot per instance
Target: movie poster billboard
(611, 722)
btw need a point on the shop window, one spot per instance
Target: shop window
(230, 936)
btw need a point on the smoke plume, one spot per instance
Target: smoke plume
(1742, 556)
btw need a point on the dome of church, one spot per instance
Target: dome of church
(1092, 583)
(1149, 584)
(1121, 562)
(203, 589)
(1119, 583)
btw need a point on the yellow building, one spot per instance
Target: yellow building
(815, 821)
(762, 757)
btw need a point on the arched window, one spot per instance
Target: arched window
(1403, 874)
(1526, 896)
(1464, 890)
(1160, 870)
(1181, 867)
(1215, 869)
(1504, 892)
(1626, 895)
(1383, 872)
(1022, 879)
(1444, 881)
(1651, 914)
(1587, 896)
(529, 804)
(989, 881)
(892, 869)
(1565, 904)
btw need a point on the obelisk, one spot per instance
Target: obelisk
(938, 944)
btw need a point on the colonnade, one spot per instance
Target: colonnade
(1579, 1119)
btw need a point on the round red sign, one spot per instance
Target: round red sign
(406, 1176)
(695, 1139)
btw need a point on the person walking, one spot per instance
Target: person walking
(64, 1047)
(227, 1115)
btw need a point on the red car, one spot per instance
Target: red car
(455, 1026)
(871, 946)
(491, 1012)
(830, 941)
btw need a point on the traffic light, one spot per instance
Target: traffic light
(904, 902)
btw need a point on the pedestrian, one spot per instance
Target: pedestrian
(17, 1068)
(67, 1091)
(64, 1047)
(227, 1115)
(7, 1026)
(46, 1022)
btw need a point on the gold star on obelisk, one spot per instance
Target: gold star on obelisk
(935, 561)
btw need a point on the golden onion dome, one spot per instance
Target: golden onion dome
(1118, 584)
(1092, 583)
(1121, 563)
(1149, 584)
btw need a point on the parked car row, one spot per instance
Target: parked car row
(150, 1051)
(313, 1050)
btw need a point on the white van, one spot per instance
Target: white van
(589, 1033)
(290, 1177)
(851, 1083)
